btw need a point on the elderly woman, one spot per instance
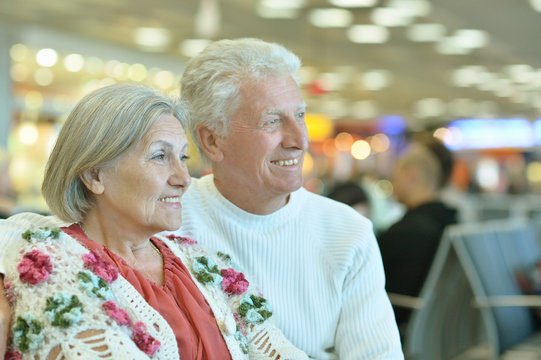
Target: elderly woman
(103, 285)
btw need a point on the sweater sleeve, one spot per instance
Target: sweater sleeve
(5, 233)
(367, 328)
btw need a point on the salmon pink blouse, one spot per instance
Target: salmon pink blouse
(178, 300)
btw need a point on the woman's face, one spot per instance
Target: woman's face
(143, 187)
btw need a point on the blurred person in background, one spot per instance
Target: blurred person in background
(352, 194)
(102, 285)
(408, 246)
(316, 259)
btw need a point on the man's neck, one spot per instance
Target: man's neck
(252, 203)
(420, 199)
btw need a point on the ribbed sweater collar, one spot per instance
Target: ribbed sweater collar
(285, 214)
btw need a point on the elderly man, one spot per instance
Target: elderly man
(317, 260)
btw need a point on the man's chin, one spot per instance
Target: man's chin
(291, 187)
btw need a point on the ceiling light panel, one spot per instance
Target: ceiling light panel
(283, 4)
(391, 17)
(450, 46)
(368, 34)
(412, 7)
(192, 47)
(353, 3)
(274, 13)
(471, 38)
(519, 73)
(153, 39)
(376, 79)
(330, 18)
(425, 32)
(536, 4)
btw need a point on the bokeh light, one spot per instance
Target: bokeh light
(33, 100)
(74, 62)
(343, 141)
(19, 72)
(19, 52)
(47, 57)
(137, 72)
(533, 172)
(28, 133)
(164, 79)
(308, 163)
(43, 76)
(380, 143)
(360, 149)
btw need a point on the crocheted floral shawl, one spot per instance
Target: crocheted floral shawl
(76, 290)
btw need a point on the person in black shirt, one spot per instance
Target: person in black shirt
(408, 246)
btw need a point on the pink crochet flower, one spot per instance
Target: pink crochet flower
(13, 355)
(117, 314)
(35, 267)
(98, 266)
(234, 282)
(144, 341)
(181, 239)
(240, 324)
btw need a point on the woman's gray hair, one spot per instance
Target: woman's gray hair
(212, 79)
(103, 125)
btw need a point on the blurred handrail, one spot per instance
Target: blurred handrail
(407, 301)
(508, 301)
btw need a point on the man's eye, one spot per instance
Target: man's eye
(300, 115)
(184, 158)
(273, 121)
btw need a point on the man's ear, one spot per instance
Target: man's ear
(210, 142)
(92, 178)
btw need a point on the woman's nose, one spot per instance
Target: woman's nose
(180, 175)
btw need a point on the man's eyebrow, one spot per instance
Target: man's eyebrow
(277, 112)
(272, 112)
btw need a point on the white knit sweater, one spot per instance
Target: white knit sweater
(315, 259)
(109, 339)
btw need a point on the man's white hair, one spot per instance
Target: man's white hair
(212, 79)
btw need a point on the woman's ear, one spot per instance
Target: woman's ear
(92, 178)
(210, 142)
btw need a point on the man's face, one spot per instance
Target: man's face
(264, 149)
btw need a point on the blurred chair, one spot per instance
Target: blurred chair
(491, 253)
(471, 306)
(443, 324)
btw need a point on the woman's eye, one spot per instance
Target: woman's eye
(184, 158)
(158, 156)
(272, 122)
(300, 115)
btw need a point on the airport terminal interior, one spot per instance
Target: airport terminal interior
(374, 74)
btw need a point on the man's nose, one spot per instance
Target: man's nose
(296, 134)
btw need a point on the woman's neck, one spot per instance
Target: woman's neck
(122, 240)
(127, 241)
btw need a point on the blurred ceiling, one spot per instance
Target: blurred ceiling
(419, 82)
